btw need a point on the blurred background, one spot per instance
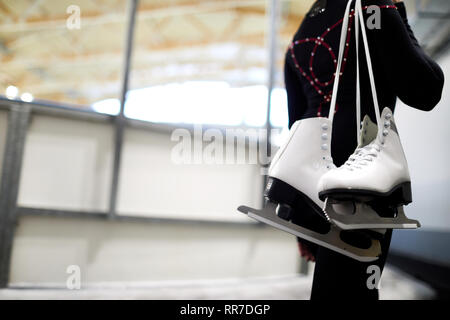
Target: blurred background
(91, 93)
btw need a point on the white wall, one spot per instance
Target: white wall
(67, 165)
(127, 251)
(425, 137)
(151, 183)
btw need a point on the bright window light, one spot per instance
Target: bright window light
(12, 92)
(108, 106)
(203, 102)
(27, 97)
(279, 110)
(190, 102)
(253, 102)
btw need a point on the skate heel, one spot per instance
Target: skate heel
(407, 193)
(280, 192)
(402, 194)
(283, 194)
(284, 211)
(294, 206)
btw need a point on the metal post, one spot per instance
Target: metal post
(120, 119)
(18, 120)
(274, 17)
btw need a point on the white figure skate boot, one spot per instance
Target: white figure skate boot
(377, 174)
(293, 177)
(375, 179)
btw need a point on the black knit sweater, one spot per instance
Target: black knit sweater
(401, 69)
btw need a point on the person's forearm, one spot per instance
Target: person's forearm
(410, 71)
(402, 10)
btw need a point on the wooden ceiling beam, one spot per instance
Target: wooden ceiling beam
(144, 12)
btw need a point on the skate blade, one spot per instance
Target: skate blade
(366, 218)
(330, 240)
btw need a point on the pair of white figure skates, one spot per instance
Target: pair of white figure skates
(352, 198)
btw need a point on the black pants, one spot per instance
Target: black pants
(340, 277)
(337, 276)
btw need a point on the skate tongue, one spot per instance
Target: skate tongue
(369, 132)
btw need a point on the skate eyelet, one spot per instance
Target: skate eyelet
(324, 147)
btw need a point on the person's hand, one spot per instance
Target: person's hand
(305, 252)
(397, 1)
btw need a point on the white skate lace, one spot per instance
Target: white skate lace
(362, 156)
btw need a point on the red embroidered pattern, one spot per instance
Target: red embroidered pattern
(320, 41)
